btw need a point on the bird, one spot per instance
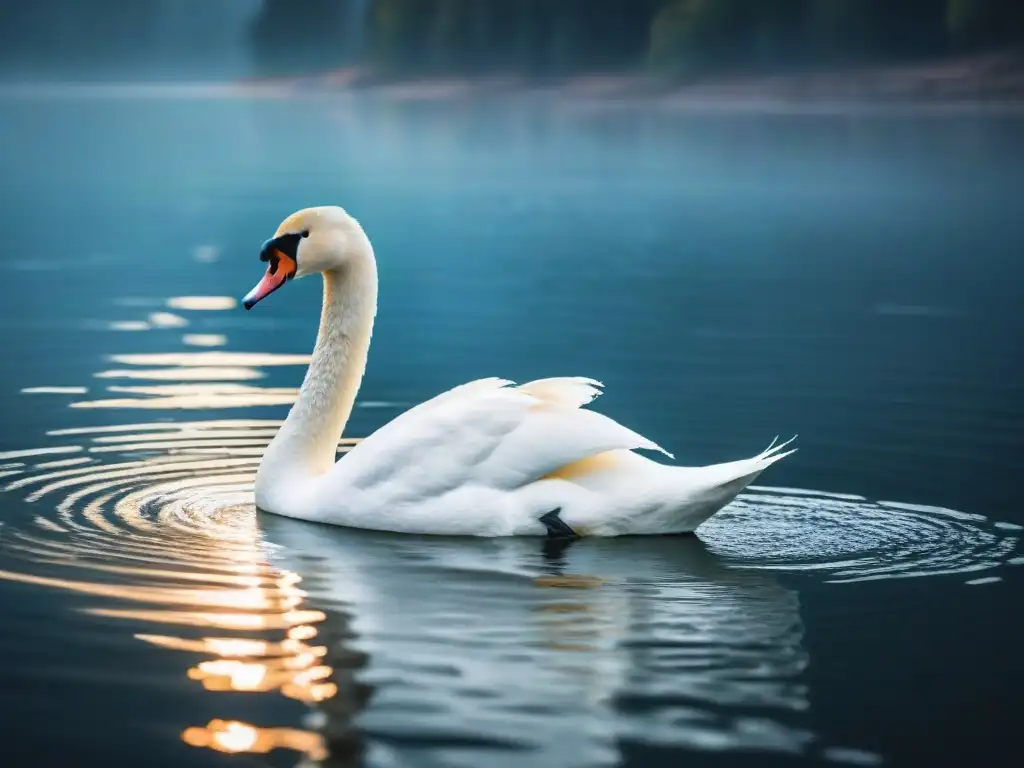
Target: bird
(487, 458)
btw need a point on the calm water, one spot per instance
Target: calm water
(853, 279)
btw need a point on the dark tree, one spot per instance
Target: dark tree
(290, 36)
(694, 36)
(983, 23)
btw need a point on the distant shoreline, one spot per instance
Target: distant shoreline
(982, 82)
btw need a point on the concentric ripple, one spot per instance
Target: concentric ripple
(850, 538)
(155, 523)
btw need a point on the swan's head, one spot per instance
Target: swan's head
(308, 242)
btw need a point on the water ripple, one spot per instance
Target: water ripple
(467, 646)
(853, 539)
(166, 535)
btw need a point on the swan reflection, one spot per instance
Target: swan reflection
(480, 643)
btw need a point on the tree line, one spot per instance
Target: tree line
(671, 36)
(538, 37)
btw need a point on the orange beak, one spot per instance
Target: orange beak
(280, 269)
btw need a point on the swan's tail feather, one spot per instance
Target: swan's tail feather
(774, 453)
(735, 475)
(703, 491)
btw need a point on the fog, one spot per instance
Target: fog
(137, 40)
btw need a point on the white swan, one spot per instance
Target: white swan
(484, 459)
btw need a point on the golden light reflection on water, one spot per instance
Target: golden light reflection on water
(194, 397)
(202, 303)
(232, 736)
(167, 320)
(129, 325)
(197, 380)
(54, 390)
(205, 373)
(26, 454)
(204, 339)
(165, 534)
(218, 359)
(171, 540)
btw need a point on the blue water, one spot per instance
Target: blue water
(850, 277)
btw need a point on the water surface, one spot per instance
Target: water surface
(851, 278)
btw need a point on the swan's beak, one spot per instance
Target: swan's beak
(280, 269)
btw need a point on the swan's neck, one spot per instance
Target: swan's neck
(306, 444)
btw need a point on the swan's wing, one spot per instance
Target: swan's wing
(487, 433)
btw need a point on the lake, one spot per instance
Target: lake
(853, 277)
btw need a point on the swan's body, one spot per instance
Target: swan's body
(484, 459)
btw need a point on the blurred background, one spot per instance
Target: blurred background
(745, 218)
(528, 38)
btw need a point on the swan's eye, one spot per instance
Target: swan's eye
(304, 233)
